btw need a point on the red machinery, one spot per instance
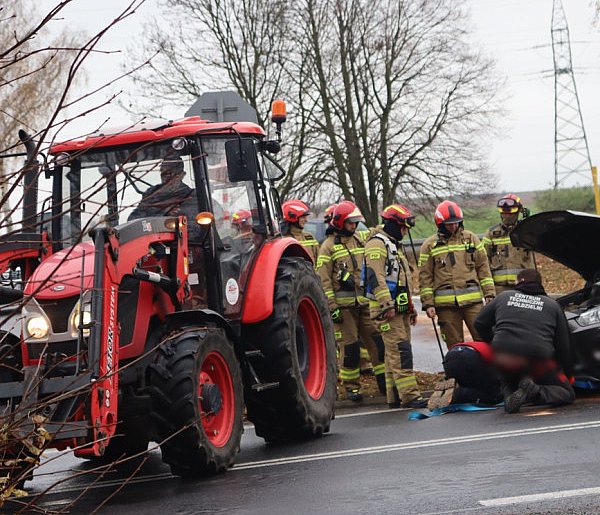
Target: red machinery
(155, 319)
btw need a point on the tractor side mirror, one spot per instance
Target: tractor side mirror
(242, 161)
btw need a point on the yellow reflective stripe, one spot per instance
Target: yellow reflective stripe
(480, 246)
(422, 258)
(337, 334)
(454, 248)
(345, 301)
(364, 353)
(505, 278)
(426, 291)
(330, 294)
(348, 375)
(502, 241)
(488, 281)
(389, 382)
(379, 369)
(406, 382)
(444, 298)
(321, 260)
(373, 304)
(469, 296)
(383, 293)
(357, 250)
(309, 243)
(374, 254)
(339, 254)
(486, 241)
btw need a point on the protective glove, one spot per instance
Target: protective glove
(336, 315)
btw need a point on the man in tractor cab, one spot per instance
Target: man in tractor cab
(171, 197)
(506, 261)
(295, 214)
(241, 221)
(339, 266)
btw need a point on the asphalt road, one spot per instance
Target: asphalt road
(373, 461)
(540, 461)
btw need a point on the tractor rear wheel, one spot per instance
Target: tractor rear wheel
(299, 353)
(197, 401)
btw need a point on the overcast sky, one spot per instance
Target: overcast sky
(515, 32)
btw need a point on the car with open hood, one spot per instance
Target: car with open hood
(573, 239)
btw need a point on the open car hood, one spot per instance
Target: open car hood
(569, 237)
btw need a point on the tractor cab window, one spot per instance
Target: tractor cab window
(237, 221)
(124, 184)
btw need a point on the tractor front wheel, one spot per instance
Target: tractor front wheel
(298, 346)
(198, 401)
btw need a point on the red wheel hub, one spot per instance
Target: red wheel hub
(314, 378)
(216, 399)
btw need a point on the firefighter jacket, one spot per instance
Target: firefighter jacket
(454, 271)
(306, 239)
(387, 275)
(505, 260)
(339, 266)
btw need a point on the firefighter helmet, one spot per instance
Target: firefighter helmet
(448, 212)
(399, 214)
(345, 211)
(294, 209)
(510, 204)
(241, 217)
(329, 213)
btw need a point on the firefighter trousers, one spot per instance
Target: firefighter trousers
(356, 327)
(400, 379)
(450, 320)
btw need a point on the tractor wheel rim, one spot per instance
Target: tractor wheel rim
(314, 378)
(215, 372)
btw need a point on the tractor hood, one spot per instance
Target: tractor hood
(59, 276)
(569, 237)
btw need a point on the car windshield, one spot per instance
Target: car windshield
(124, 184)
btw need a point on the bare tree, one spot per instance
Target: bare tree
(392, 101)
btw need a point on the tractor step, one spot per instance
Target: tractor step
(254, 354)
(259, 387)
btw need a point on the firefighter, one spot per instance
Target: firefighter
(505, 260)
(295, 214)
(339, 266)
(454, 275)
(327, 219)
(241, 222)
(387, 286)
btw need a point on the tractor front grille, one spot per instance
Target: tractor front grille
(58, 311)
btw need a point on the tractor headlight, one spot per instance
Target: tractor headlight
(590, 317)
(37, 327)
(81, 315)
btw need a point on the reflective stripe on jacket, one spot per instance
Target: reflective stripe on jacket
(506, 261)
(306, 239)
(339, 266)
(454, 271)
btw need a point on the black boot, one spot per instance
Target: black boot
(526, 392)
(354, 395)
(416, 403)
(381, 383)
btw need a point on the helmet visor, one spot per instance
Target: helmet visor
(508, 205)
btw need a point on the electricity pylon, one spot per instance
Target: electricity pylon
(571, 151)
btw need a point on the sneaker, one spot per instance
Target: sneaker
(417, 403)
(526, 392)
(354, 395)
(442, 395)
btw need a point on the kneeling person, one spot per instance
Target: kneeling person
(530, 339)
(387, 283)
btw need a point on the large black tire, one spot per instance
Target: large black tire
(298, 345)
(193, 442)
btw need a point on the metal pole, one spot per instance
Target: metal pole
(596, 191)
(437, 337)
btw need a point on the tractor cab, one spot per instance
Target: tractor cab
(218, 176)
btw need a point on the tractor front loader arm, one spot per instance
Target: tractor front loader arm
(120, 252)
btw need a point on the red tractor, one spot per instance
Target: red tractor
(155, 317)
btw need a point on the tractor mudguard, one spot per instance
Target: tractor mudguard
(179, 319)
(258, 301)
